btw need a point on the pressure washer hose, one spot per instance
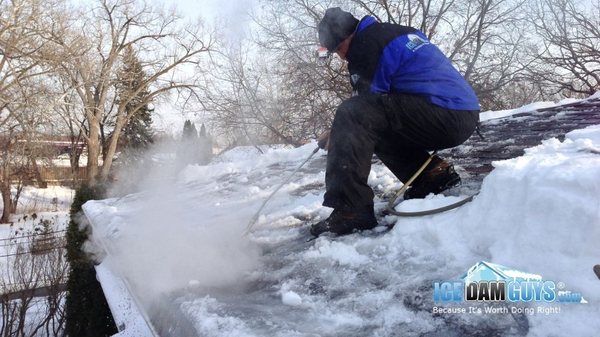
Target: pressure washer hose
(257, 214)
(392, 203)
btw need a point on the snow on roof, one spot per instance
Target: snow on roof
(508, 137)
(180, 242)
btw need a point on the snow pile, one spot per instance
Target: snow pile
(182, 247)
(538, 213)
(541, 213)
(542, 209)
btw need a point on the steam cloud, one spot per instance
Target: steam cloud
(168, 240)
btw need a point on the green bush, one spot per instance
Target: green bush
(87, 312)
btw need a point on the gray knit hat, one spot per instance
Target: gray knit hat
(335, 27)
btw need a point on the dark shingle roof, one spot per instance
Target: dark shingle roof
(508, 137)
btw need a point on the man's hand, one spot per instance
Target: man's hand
(323, 140)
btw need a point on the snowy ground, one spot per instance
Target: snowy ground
(179, 248)
(36, 207)
(39, 210)
(50, 199)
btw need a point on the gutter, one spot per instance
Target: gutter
(126, 308)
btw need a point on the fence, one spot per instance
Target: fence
(54, 175)
(62, 175)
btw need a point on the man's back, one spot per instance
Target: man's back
(388, 58)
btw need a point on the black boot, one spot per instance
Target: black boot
(437, 177)
(344, 222)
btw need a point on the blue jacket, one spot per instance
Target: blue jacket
(390, 58)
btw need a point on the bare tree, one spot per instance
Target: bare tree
(485, 39)
(24, 47)
(21, 40)
(271, 88)
(481, 37)
(311, 88)
(246, 100)
(8, 163)
(72, 123)
(90, 61)
(23, 135)
(425, 15)
(569, 59)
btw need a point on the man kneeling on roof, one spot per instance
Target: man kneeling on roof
(408, 100)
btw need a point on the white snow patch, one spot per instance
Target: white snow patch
(589, 137)
(337, 252)
(209, 322)
(487, 115)
(291, 298)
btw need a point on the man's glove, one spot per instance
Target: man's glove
(323, 140)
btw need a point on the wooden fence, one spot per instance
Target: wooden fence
(63, 175)
(55, 175)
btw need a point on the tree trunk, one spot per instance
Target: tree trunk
(6, 201)
(93, 145)
(38, 175)
(112, 146)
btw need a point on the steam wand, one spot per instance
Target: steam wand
(257, 214)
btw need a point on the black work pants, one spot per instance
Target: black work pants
(399, 129)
